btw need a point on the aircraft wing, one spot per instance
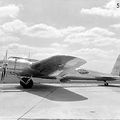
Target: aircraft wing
(56, 64)
(82, 74)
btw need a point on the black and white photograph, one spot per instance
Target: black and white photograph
(59, 59)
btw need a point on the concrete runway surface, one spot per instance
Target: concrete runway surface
(59, 101)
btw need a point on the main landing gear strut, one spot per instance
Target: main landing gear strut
(26, 82)
(106, 83)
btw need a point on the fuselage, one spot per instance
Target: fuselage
(41, 69)
(16, 66)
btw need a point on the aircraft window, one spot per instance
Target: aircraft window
(83, 71)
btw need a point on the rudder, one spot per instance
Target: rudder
(116, 68)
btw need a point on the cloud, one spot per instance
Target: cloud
(1, 32)
(16, 26)
(95, 37)
(97, 59)
(99, 31)
(108, 10)
(72, 29)
(115, 26)
(58, 45)
(5, 36)
(9, 11)
(42, 31)
(92, 53)
(39, 30)
(8, 39)
(15, 49)
(98, 46)
(45, 31)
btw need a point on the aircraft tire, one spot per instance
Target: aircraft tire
(26, 83)
(106, 84)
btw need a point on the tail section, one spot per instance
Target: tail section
(116, 68)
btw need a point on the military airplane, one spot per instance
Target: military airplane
(55, 67)
(60, 67)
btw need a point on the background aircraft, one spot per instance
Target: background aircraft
(54, 67)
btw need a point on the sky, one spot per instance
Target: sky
(89, 29)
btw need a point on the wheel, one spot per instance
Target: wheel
(106, 84)
(26, 83)
(64, 80)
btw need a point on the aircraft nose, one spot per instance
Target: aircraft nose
(1, 63)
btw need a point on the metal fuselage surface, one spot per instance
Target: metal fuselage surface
(17, 66)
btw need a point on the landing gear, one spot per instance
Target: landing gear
(26, 82)
(105, 83)
(64, 80)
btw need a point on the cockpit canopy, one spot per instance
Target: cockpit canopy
(20, 60)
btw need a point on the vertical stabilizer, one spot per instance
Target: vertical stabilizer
(116, 68)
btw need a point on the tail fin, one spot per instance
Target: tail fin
(116, 68)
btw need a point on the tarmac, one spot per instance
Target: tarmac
(59, 101)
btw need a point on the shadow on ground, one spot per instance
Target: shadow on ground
(54, 93)
(110, 85)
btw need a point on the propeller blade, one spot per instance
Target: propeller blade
(4, 67)
(3, 74)
(5, 58)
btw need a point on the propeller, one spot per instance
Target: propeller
(4, 67)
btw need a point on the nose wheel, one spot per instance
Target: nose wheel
(106, 83)
(26, 83)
